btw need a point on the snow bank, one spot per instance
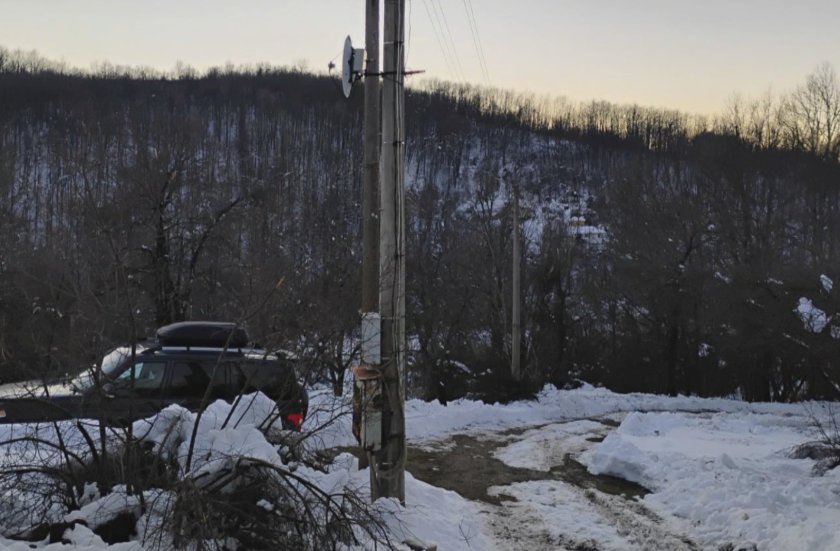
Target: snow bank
(431, 515)
(78, 538)
(224, 431)
(227, 434)
(728, 475)
(434, 516)
(427, 421)
(105, 509)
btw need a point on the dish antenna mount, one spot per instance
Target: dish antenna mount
(352, 70)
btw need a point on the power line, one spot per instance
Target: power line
(440, 41)
(448, 33)
(408, 36)
(457, 71)
(479, 48)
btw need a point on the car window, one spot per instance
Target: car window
(190, 378)
(147, 375)
(274, 378)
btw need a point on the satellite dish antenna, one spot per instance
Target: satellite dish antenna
(351, 66)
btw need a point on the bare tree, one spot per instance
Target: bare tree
(812, 120)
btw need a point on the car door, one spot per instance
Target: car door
(137, 390)
(190, 379)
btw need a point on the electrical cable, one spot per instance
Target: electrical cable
(479, 48)
(408, 39)
(451, 40)
(443, 50)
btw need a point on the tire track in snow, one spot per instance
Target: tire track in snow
(554, 504)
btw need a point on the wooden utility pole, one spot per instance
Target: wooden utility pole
(390, 461)
(515, 370)
(370, 193)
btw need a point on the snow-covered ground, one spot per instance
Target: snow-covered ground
(719, 473)
(729, 476)
(429, 420)
(718, 470)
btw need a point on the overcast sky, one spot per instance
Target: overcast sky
(686, 54)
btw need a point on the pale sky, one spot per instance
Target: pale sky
(691, 55)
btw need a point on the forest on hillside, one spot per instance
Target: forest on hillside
(664, 252)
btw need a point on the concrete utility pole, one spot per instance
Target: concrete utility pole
(370, 193)
(390, 461)
(515, 370)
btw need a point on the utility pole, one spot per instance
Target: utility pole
(515, 323)
(370, 193)
(390, 460)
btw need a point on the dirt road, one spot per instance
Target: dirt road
(534, 494)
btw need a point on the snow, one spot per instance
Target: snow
(82, 538)
(431, 515)
(434, 516)
(427, 421)
(225, 431)
(565, 515)
(104, 509)
(729, 476)
(77, 538)
(826, 282)
(543, 448)
(710, 463)
(718, 470)
(723, 278)
(812, 317)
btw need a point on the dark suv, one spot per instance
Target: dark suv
(186, 360)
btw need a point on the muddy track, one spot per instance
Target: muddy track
(465, 464)
(519, 520)
(637, 524)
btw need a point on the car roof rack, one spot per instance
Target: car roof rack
(244, 351)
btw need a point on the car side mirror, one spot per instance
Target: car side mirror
(108, 390)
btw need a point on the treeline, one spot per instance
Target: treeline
(133, 199)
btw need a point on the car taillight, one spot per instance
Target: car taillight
(296, 419)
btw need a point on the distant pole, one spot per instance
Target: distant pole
(515, 370)
(390, 461)
(370, 193)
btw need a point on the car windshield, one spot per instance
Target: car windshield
(82, 381)
(109, 365)
(116, 357)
